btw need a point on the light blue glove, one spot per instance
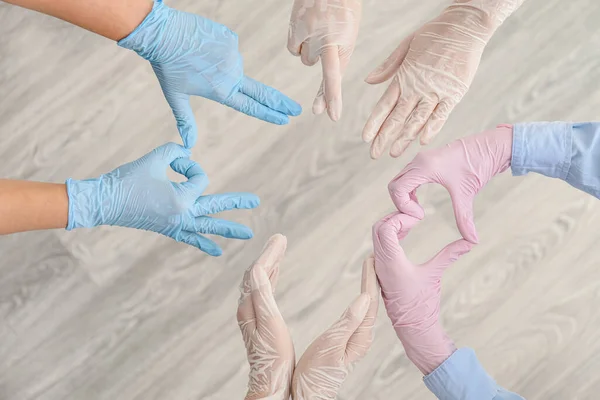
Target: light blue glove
(192, 55)
(139, 195)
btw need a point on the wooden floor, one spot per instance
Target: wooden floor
(120, 314)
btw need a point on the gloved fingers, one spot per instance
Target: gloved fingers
(332, 81)
(382, 110)
(446, 257)
(221, 227)
(393, 125)
(216, 203)
(462, 203)
(319, 105)
(403, 188)
(344, 329)
(390, 260)
(270, 97)
(200, 242)
(294, 43)
(186, 121)
(388, 68)
(167, 153)
(308, 54)
(413, 126)
(253, 108)
(271, 257)
(197, 180)
(436, 121)
(263, 301)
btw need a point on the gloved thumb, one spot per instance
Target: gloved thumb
(391, 64)
(186, 122)
(463, 211)
(447, 256)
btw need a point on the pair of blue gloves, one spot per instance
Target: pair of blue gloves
(191, 56)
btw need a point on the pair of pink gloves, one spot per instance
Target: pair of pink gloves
(411, 293)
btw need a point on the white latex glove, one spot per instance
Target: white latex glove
(325, 364)
(268, 342)
(325, 29)
(432, 70)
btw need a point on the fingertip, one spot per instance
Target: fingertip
(294, 108)
(245, 235)
(319, 105)
(334, 109)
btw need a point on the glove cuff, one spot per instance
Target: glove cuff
(84, 203)
(145, 39)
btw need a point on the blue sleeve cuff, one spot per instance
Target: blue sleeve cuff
(542, 147)
(461, 377)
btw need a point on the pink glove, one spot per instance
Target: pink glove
(411, 293)
(463, 167)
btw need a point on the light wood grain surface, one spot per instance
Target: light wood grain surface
(120, 314)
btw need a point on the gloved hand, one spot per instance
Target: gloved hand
(324, 366)
(411, 293)
(139, 195)
(326, 30)
(432, 70)
(463, 167)
(194, 56)
(268, 342)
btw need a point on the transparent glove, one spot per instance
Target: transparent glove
(432, 70)
(324, 366)
(463, 167)
(325, 30)
(139, 195)
(411, 293)
(194, 56)
(268, 342)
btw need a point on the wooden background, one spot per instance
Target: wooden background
(113, 313)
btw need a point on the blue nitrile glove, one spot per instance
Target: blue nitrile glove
(139, 195)
(192, 55)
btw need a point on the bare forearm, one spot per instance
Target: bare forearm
(114, 19)
(30, 206)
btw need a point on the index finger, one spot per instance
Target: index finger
(332, 81)
(402, 191)
(270, 97)
(196, 176)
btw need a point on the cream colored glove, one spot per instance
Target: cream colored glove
(325, 29)
(268, 342)
(327, 361)
(432, 70)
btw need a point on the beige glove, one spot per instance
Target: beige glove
(432, 70)
(268, 342)
(326, 363)
(325, 29)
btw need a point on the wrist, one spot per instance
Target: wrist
(504, 133)
(145, 39)
(84, 203)
(426, 348)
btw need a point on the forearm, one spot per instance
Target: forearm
(30, 206)
(114, 19)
